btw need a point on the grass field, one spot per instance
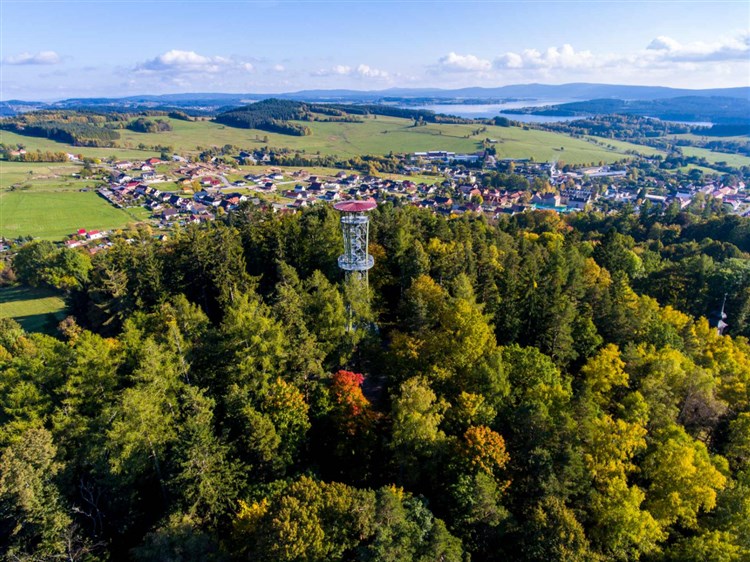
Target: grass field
(379, 135)
(34, 143)
(382, 135)
(689, 167)
(735, 160)
(54, 214)
(692, 137)
(37, 310)
(42, 176)
(625, 146)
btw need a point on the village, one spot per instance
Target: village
(444, 182)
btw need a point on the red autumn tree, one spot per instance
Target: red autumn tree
(350, 405)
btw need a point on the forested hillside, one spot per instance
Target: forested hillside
(715, 109)
(539, 389)
(273, 115)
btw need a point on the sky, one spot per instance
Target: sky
(55, 49)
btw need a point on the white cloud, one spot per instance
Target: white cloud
(362, 71)
(184, 62)
(727, 49)
(369, 72)
(278, 68)
(340, 69)
(661, 51)
(554, 57)
(42, 57)
(337, 70)
(463, 63)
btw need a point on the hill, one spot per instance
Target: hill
(714, 109)
(203, 102)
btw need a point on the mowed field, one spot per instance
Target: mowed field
(45, 201)
(381, 135)
(628, 146)
(54, 214)
(44, 144)
(41, 175)
(37, 310)
(735, 160)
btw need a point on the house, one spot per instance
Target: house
(169, 214)
(210, 182)
(95, 235)
(551, 200)
(576, 198)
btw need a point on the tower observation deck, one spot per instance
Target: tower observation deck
(355, 226)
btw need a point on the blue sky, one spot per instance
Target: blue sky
(64, 48)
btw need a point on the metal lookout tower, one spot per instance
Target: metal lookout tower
(355, 261)
(355, 225)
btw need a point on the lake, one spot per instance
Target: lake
(482, 111)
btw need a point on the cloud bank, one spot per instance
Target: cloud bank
(187, 62)
(361, 71)
(40, 58)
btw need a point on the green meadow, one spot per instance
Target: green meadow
(44, 144)
(37, 310)
(376, 135)
(55, 214)
(624, 146)
(381, 135)
(40, 176)
(735, 160)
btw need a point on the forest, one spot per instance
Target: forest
(273, 115)
(714, 109)
(541, 388)
(143, 125)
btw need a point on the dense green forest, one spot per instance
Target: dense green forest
(143, 125)
(273, 115)
(544, 388)
(720, 110)
(77, 134)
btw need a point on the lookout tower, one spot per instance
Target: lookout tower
(355, 225)
(355, 261)
(718, 320)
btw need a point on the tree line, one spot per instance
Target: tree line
(532, 392)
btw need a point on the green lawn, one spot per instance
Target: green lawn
(39, 173)
(624, 146)
(55, 214)
(689, 167)
(37, 310)
(692, 137)
(735, 160)
(376, 135)
(44, 144)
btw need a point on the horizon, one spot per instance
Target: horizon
(76, 49)
(268, 95)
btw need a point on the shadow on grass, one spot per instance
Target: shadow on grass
(45, 323)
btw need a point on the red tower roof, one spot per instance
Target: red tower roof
(355, 206)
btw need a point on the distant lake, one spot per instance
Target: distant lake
(483, 111)
(691, 123)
